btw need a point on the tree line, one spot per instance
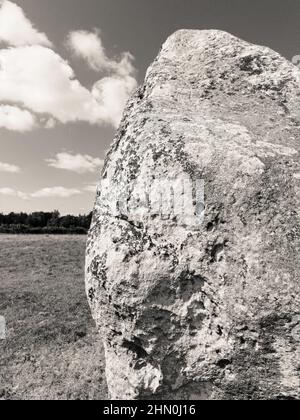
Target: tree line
(44, 222)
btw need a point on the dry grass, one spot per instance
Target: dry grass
(52, 350)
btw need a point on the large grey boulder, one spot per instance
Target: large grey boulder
(198, 298)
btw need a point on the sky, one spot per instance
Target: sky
(67, 68)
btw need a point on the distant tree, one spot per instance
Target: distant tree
(44, 222)
(54, 219)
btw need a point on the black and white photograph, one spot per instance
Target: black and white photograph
(149, 203)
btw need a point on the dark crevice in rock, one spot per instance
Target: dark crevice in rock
(135, 225)
(223, 363)
(136, 348)
(217, 251)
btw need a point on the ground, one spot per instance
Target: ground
(52, 350)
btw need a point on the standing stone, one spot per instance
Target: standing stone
(199, 298)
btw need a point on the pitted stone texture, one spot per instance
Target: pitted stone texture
(208, 311)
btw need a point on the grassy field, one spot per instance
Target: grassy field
(52, 350)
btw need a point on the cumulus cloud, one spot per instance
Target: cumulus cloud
(11, 192)
(113, 91)
(43, 82)
(112, 94)
(50, 123)
(50, 192)
(35, 77)
(16, 29)
(7, 167)
(16, 119)
(78, 163)
(91, 188)
(53, 192)
(89, 46)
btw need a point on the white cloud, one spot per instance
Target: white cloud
(55, 192)
(113, 93)
(16, 29)
(7, 167)
(13, 193)
(50, 123)
(50, 192)
(43, 82)
(36, 78)
(75, 163)
(16, 119)
(91, 188)
(89, 46)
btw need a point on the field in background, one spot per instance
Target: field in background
(52, 350)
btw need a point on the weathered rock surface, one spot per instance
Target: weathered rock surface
(206, 310)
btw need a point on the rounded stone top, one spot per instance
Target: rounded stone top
(201, 34)
(214, 44)
(214, 60)
(185, 40)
